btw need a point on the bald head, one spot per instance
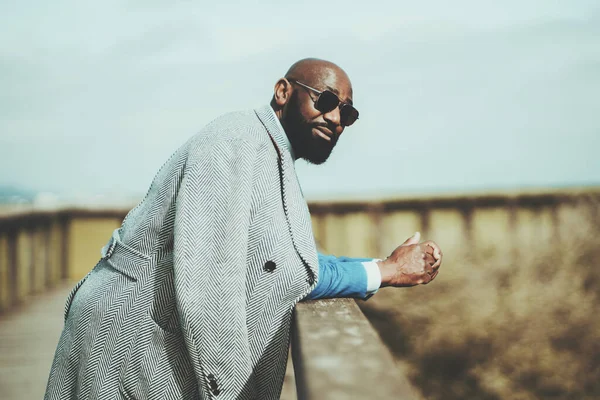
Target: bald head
(313, 71)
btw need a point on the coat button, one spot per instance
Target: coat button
(210, 377)
(111, 248)
(269, 266)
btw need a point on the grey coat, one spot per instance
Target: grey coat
(194, 294)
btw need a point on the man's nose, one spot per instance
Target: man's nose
(333, 116)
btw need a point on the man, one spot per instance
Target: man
(194, 293)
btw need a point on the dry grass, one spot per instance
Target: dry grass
(499, 326)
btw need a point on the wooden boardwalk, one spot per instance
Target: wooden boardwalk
(28, 338)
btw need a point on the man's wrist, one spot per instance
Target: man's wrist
(373, 276)
(385, 279)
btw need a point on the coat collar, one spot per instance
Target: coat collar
(267, 116)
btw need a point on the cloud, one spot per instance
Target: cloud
(468, 94)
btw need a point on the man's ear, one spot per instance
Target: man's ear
(283, 92)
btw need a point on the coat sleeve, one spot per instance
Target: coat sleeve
(340, 277)
(212, 221)
(332, 258)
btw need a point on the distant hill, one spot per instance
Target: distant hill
(16, 195)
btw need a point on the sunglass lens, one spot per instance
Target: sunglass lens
(348, 115)
(327, 101)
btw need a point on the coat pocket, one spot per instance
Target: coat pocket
(158, 365)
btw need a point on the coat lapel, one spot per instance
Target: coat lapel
(294, 203)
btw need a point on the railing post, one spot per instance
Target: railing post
(4, 272)
(23, 264)
(55, 252)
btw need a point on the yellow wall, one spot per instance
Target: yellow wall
(525, 229)
(4, 284)
(318, 225)
(334, 242)
(55, 253)
(491, 231)
(24, 253)
(573, 222)
(40, 259)
(448, 229)
(86, 238)
(545, 226)
(359, 234)
(395, 228)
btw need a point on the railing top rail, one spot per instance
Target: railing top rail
(24, 217)
(525, 198)
(338, 354)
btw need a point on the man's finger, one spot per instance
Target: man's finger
(414, 239)
(429, 259)
(428, 277)
(438, 263)
(437, 252)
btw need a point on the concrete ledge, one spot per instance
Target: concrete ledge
(337, 354)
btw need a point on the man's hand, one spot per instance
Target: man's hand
(412, 263)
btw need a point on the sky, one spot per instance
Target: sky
(453, 96)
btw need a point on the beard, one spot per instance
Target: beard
(306, 144)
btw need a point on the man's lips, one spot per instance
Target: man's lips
(323, 132)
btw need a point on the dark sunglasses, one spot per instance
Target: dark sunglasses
(327, 101)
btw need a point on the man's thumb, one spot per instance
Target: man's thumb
(414, 239)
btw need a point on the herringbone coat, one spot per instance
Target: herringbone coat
(194, 295)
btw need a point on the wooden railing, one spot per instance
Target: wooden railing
(336, 352)
(40, 249)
